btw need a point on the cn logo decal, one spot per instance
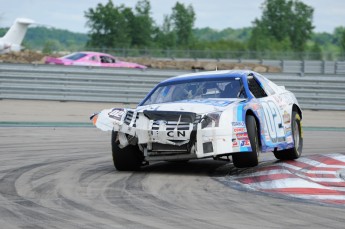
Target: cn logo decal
(273, 120)
(177, 134)
(116, 114)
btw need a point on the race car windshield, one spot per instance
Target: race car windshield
(191, 90)
(75, 56)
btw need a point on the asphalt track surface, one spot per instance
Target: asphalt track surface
(56, 172)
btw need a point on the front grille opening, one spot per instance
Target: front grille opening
(187, 117)
(173, 119)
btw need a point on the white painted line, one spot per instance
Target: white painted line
(319, 197)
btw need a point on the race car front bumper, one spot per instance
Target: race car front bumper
(164, 140)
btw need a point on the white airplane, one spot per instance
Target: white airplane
(15, 35)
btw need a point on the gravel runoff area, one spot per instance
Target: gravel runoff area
(55, 111)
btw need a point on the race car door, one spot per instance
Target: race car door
(272, 114)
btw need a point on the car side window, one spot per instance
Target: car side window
(255, 88)
(269, 89)
(112, 60)
(103, 59)
(107, 59)
(266, 85)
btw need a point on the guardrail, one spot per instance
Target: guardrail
(77, 83)
(309, 66)
(293, 66)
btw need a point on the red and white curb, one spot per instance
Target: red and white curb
(319, 178)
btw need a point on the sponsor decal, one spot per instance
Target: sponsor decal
(238, 124)
(287, 130)
(177, 134)
(289, 138)
(239, 130)
(286, 117)
(245, 143)
(116, 113)
(267, 137)
(234, 143)
(242, 136)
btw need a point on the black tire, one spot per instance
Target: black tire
(296, 151)
(249, 159)
(129, 158)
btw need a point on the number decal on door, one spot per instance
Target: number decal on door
(273, 120)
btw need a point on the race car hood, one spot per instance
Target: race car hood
(199, 106)
(108, 118)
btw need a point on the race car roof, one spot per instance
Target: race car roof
(208, 75)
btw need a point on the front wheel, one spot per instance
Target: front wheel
(296, 151)
(249, 159)
(129, 158)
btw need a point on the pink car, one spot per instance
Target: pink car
(92, 59)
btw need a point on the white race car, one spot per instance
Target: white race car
(206, 115)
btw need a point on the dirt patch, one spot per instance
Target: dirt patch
(38, 58)
(202, 65)
(25, 57)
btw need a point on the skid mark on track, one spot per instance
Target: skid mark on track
(317, 179)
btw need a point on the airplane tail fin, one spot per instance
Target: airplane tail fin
(16, 33)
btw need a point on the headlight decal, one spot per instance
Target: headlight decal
(211, 120)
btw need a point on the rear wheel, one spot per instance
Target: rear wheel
(249, 159)
(129, 158)
(296, 151)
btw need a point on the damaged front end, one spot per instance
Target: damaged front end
(167, 135)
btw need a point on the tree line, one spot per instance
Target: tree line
(285, 26)
(114, 26)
